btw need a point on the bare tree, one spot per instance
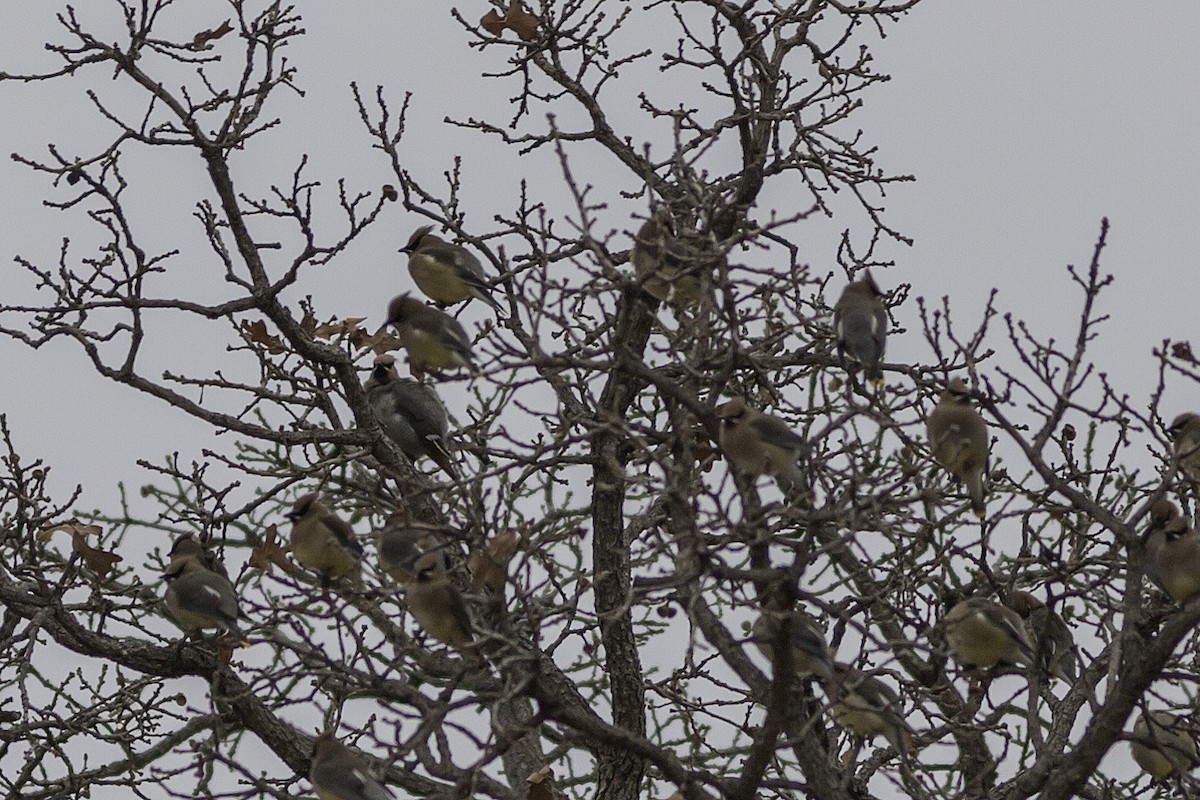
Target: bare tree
(615, 660)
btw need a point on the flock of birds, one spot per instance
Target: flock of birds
(980, 632)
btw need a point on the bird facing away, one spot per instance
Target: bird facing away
(339, 773)
(663, 265)
(438, 607)
(983, 633)
(1185, 444)
(958, 439)
(860, 322)
(324, 542)
(432, 338)
(1171, 552)
(406, 548)
(186, 545)
(1053, 644)
(760, 444)
(808, 650)
(411, 414)
(198, 598)
(1162, 743)
(868, 707)
(446, 273)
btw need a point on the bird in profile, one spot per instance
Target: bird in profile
(438, 607)
(868, 707)
(1163, 744)
(1053, 644)
(446, 273)
(197, 597)
(324, 542)
(432, 338)
(760, 444)
(1171, 552)
(339, 773)
(861, 325)
(411, 414)
(982, 633)
(1185, 444)
(808, 651)
(958, 439)
(665, 268)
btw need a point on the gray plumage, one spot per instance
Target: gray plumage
(807, 647)
(760, 444)
(983, 633)
(198, 598)
(1053, 644)
(432, 338)
(407, 548)
(868, 707)
(1171, 552)
(1163, 743)
(445, 272)
(411, 414)
(860, 323)
(339, 773)
(958, 440)
(1185, 444)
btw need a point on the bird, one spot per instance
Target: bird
(759, 444)
(1053, 644)
(187, 545)
(446, 273)
(868, 707)
(663, 265)
(323, 541)
(1162, 743)
(198, 598)
(438, 607)
(405, 548)
(958, 439)
(982, 633)
(1171, 552)
(1185, 444)
(861, 325)
(808, 650)
(431, 337)
(411, 414)
(339, 773)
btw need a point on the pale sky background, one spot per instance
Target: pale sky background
(1024, 122)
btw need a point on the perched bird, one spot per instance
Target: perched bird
(438, 607)
(868, 707)
(186, 545)
(411, 413)
(983, 633)
(198, 598)
(665, 268)
(958, 439)
(860, 322)
(405, 548)
(323, 541)
(1053, 644)
(1185, 444)
(431, 337)
(446, 273)
(339, 773)
(1162, 743)
(1171, 552)
(760, 444)
(809, 652)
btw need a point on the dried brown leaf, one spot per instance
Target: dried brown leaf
(256, 333)
(98, 561)
(70, 528)
(489, 566)
(389, 193)
(203, 40)
(1183, 351)
(271, 552)
(521, 22)
(493, 23)
(338, 328)
(380, 342)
